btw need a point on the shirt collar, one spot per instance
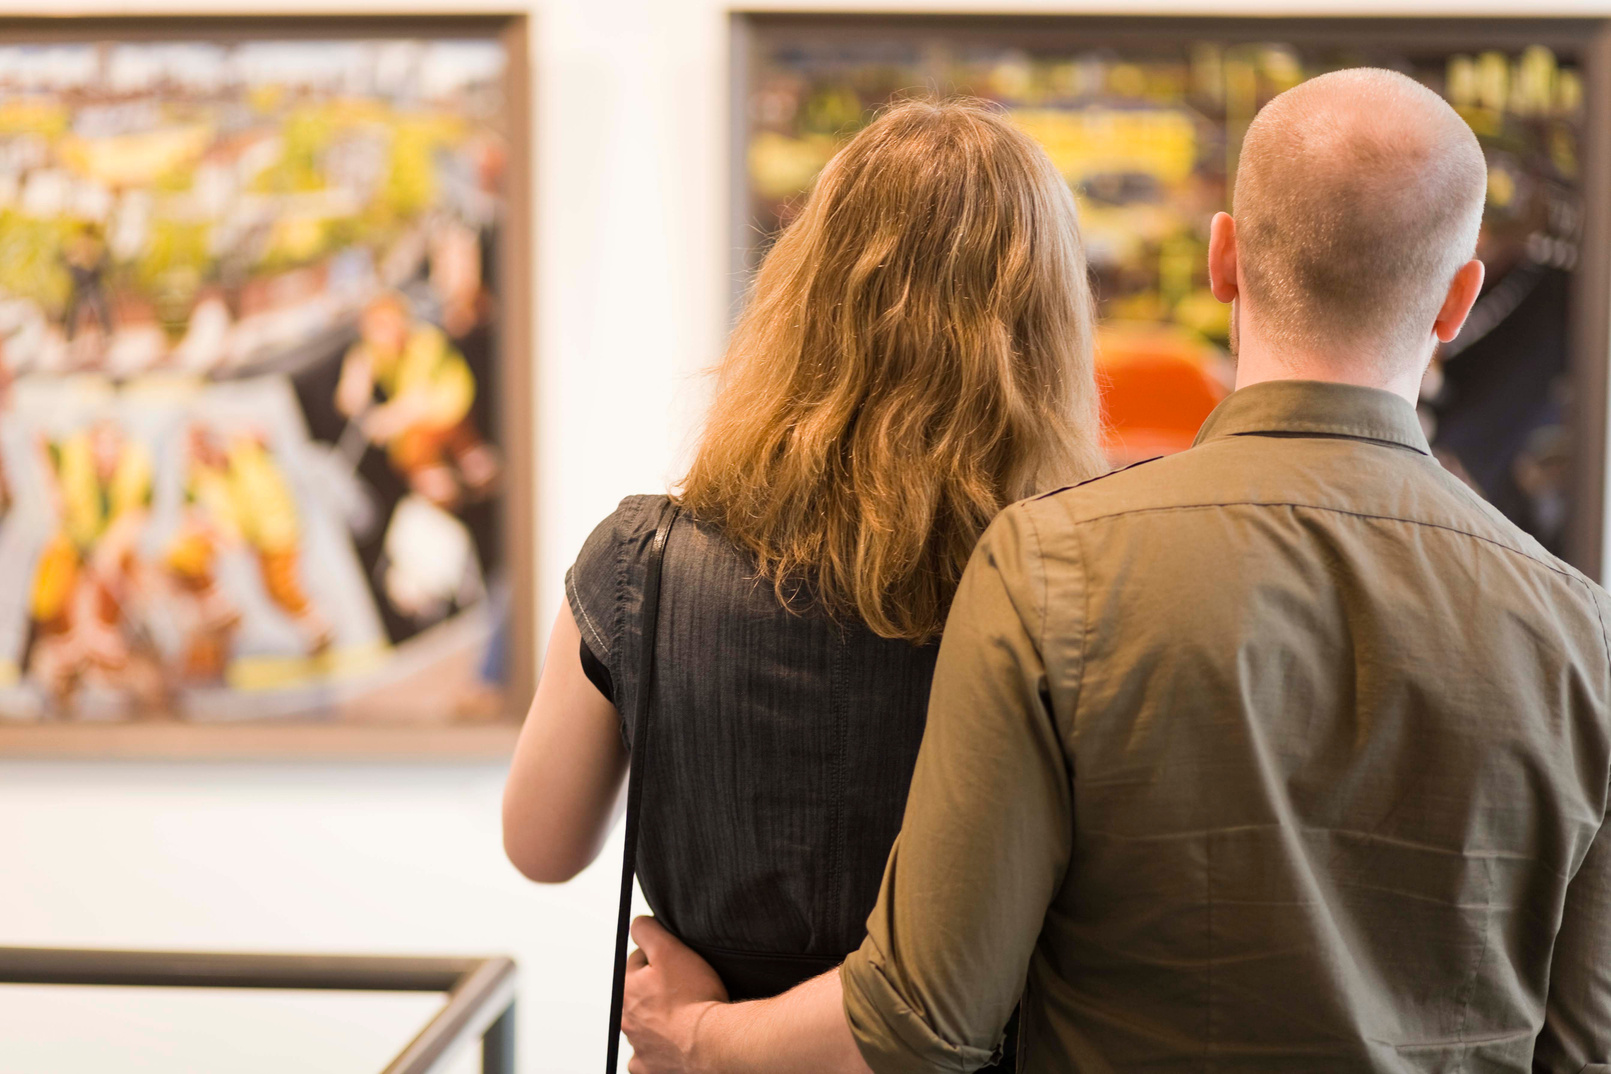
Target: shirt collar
(1319, 408)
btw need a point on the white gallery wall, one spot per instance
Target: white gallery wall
(631, 298)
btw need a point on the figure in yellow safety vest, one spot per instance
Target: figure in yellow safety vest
(426, 389)
(85, 578)
(238, 495)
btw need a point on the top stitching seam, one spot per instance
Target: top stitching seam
(593, 627)
(1336, 511)
(1375, 434)
(1045, 586)
(1605, 643)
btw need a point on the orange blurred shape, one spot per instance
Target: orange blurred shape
(1158, 384)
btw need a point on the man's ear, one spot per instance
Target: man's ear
(1222, 257)
(1458, 302)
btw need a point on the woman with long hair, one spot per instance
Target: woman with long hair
(915, 355)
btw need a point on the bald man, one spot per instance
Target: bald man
(1286, 753)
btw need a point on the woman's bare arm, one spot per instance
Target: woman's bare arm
(569, 765)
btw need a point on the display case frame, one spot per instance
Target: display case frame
(512, 322)
(1584, 40)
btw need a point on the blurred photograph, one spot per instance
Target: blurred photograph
(1147, 135)
(251, 461)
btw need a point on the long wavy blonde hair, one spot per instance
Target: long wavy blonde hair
(914, 356)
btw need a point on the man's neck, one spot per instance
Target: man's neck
(1256, 364)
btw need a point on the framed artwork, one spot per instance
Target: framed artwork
(1145, 116)
(265, 451)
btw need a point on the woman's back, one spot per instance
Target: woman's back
(783, 747)
(915, 354)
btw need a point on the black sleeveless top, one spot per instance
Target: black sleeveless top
(783, 749)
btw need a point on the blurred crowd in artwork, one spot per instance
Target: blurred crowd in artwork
(250, 461)
(1147, 134)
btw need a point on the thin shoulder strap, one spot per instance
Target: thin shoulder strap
(640, 748)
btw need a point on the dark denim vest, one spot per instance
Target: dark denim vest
(783, 748)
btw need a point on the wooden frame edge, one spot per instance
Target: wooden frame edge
(178, 741)
(519, 405)
(1590, 327)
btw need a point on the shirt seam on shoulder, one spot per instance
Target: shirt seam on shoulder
(587, 622)
(1522, 552)
(1045, 587)
(1066, 739)
(1605, 645)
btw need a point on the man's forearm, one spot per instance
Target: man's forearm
(803, 1031)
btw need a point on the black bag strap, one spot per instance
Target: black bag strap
(640, 747)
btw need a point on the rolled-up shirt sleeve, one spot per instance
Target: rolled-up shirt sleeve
(987, 833)
(1576, 1038)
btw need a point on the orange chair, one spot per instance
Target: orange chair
(1158, 384)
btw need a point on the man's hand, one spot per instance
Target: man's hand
(669, 989)
(679, 1021)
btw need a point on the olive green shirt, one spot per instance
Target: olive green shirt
(1286, 753)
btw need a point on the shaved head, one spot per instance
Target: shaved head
(1358, 196)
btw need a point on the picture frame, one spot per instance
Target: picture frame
(853, 63)
(282, 595)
